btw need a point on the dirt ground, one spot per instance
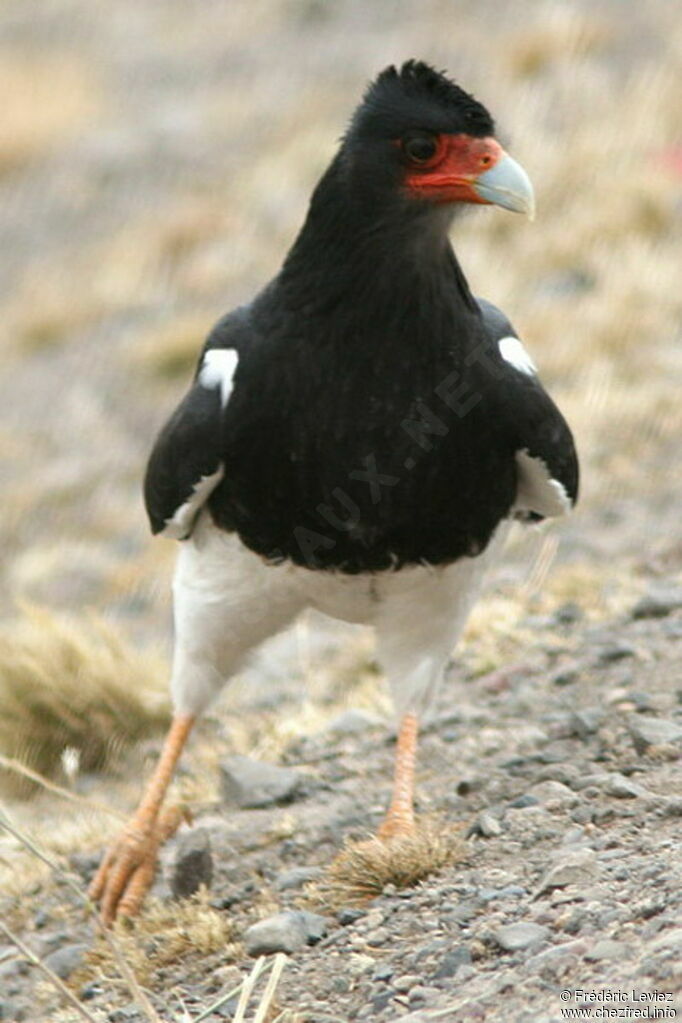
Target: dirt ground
(155, 164)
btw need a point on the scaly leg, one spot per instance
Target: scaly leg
(127, 870)
(399, 819)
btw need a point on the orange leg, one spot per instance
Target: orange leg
(399, 819)
(127, 870)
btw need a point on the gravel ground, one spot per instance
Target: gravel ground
(564, 771)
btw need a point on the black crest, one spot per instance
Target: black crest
(418, 91)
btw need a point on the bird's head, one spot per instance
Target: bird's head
(419, 136)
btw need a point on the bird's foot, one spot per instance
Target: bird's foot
(127, 871)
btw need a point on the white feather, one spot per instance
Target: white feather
(180, 525)
(513, 352)
(537, 491)
(217, 370)
(228, 601)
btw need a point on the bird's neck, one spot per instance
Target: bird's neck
(389, 264)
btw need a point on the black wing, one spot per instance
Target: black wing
(547, 463)
(185, 465)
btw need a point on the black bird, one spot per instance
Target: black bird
(356, 439)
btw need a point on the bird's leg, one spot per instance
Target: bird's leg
(127, 870)
(399, 819)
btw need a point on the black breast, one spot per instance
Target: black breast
(344, 453)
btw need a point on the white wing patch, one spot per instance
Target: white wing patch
(218, 369)
(537, 491)
(513, 352)
(180, 525)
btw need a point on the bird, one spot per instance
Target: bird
(357, 439)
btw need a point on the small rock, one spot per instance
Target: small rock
(649, 731)
(565, 676)
(523, 802)
(378, 937)
(66, 960)
(615, 652)
(669, 939)
(193, 866)
(252, 783)
(316, 926)
(352, 722)
(384, 971)
(487, 825)
(623, 788)
(406, 981)
(587, 721)
(578, 866)
(607, 949)
(283, 932)
(452, 961)
(422, 993)
(514, 937)
(297, 877)
(553, 794)
(658, 602)
(568, 613)
(350, 915)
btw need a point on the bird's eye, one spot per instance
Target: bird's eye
(421, 148)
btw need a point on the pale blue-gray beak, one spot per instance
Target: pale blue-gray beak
(507, 185)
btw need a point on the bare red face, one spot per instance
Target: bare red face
(463, 168)
(449, 173)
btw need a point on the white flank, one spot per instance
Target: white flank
(218, 370)
(537, 491)
(180, 526)
(513, 352)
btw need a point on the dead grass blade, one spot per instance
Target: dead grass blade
(270, 988)
(8, 764)
(56, 981)
(123, 966)
(247, 989)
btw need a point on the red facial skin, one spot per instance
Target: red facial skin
(450, 174)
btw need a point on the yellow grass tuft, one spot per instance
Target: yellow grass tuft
(164, 933)
(73, 694)
(363, 869)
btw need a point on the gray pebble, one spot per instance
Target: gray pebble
(514, 937)
(587, 721)
(487, 825)
(607, 949)
(577, 866)
(297, 877)
(658, 602)
(650, 731)
(193, 865)
(66, 960)
(253, 783)
(669, 939)
(283, 932)
(406, 981)
(352, 722)
(623, 788)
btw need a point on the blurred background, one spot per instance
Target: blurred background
(155, 164)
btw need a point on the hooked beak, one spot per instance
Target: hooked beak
(506, 184)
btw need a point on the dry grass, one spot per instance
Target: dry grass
(73, 693)
(163, 934)
(362, 870)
